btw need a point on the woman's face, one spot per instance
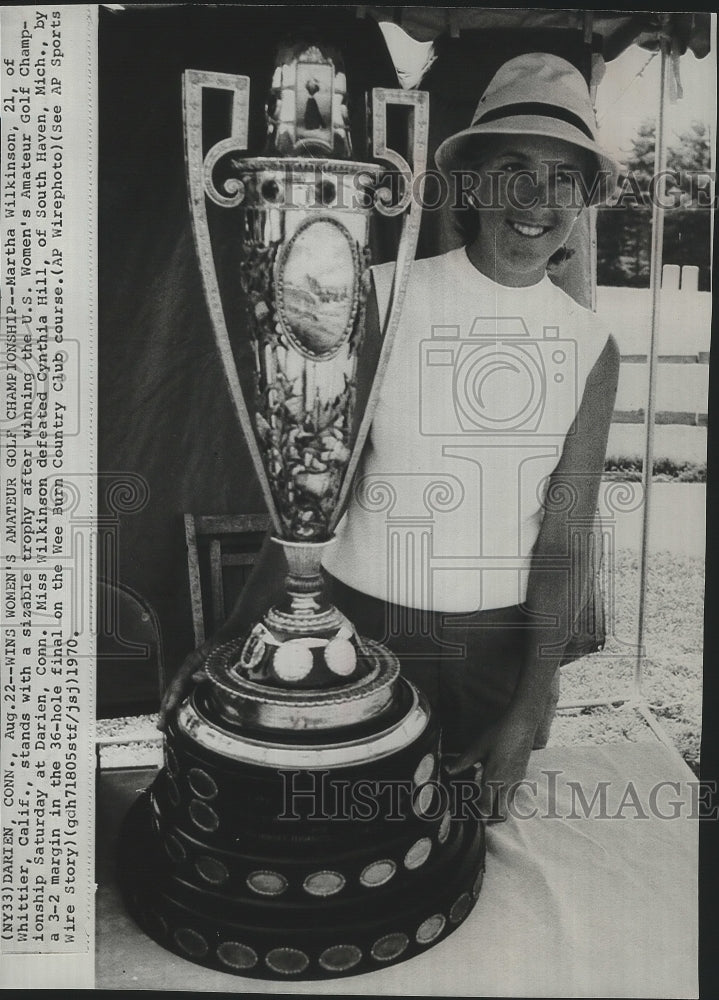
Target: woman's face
(528, 196)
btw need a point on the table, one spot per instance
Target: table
(586, 897)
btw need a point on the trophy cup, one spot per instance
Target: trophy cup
(261, 857)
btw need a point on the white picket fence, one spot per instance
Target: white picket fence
(684, 342)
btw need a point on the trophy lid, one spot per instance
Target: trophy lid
(306, 107)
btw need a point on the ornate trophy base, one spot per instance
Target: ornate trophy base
(280, 853)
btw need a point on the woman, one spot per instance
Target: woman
(499, 395)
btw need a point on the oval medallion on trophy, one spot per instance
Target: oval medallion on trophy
(317, 287)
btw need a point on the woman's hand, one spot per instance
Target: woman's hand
(503, 752)
(192, 670)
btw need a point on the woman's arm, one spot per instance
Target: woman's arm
(570, 504)
(566, 533)
(264, 587)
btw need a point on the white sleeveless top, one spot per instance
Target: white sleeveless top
(483, 384)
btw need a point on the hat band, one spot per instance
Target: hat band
(536, 108)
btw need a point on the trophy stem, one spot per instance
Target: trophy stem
(307, 611)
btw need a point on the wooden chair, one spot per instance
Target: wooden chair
(130, 659)
(221, 551)
(130, 663)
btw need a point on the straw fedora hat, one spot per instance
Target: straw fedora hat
(534, 94)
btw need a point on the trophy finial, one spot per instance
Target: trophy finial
(306, 108)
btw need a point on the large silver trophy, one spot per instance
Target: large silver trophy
(301, 827)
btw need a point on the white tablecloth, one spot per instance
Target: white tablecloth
(571, 906)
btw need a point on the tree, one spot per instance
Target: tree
(693, 149)
(624, 233)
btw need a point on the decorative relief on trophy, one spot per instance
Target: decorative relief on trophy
(303, 222)
(308, 314)
(318, 281)
(232, 883)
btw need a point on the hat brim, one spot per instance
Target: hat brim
(452, 153)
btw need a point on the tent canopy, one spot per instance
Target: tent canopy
(611, 31)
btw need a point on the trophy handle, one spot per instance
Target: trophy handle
(418, 102)
(200, 183)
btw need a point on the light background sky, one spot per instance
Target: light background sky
(625, 99)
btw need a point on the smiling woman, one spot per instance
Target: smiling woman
(529, 192)
(507, 405)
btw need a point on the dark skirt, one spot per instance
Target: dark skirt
(467, 665)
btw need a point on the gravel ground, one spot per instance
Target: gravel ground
(672, 669)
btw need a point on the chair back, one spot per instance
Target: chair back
(221, 551)
(130, 665)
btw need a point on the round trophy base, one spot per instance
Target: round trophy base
(321, 937)
(281, 859)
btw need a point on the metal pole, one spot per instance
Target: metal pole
(655, 284)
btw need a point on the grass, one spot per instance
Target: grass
(665, 470)
(672, 663)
